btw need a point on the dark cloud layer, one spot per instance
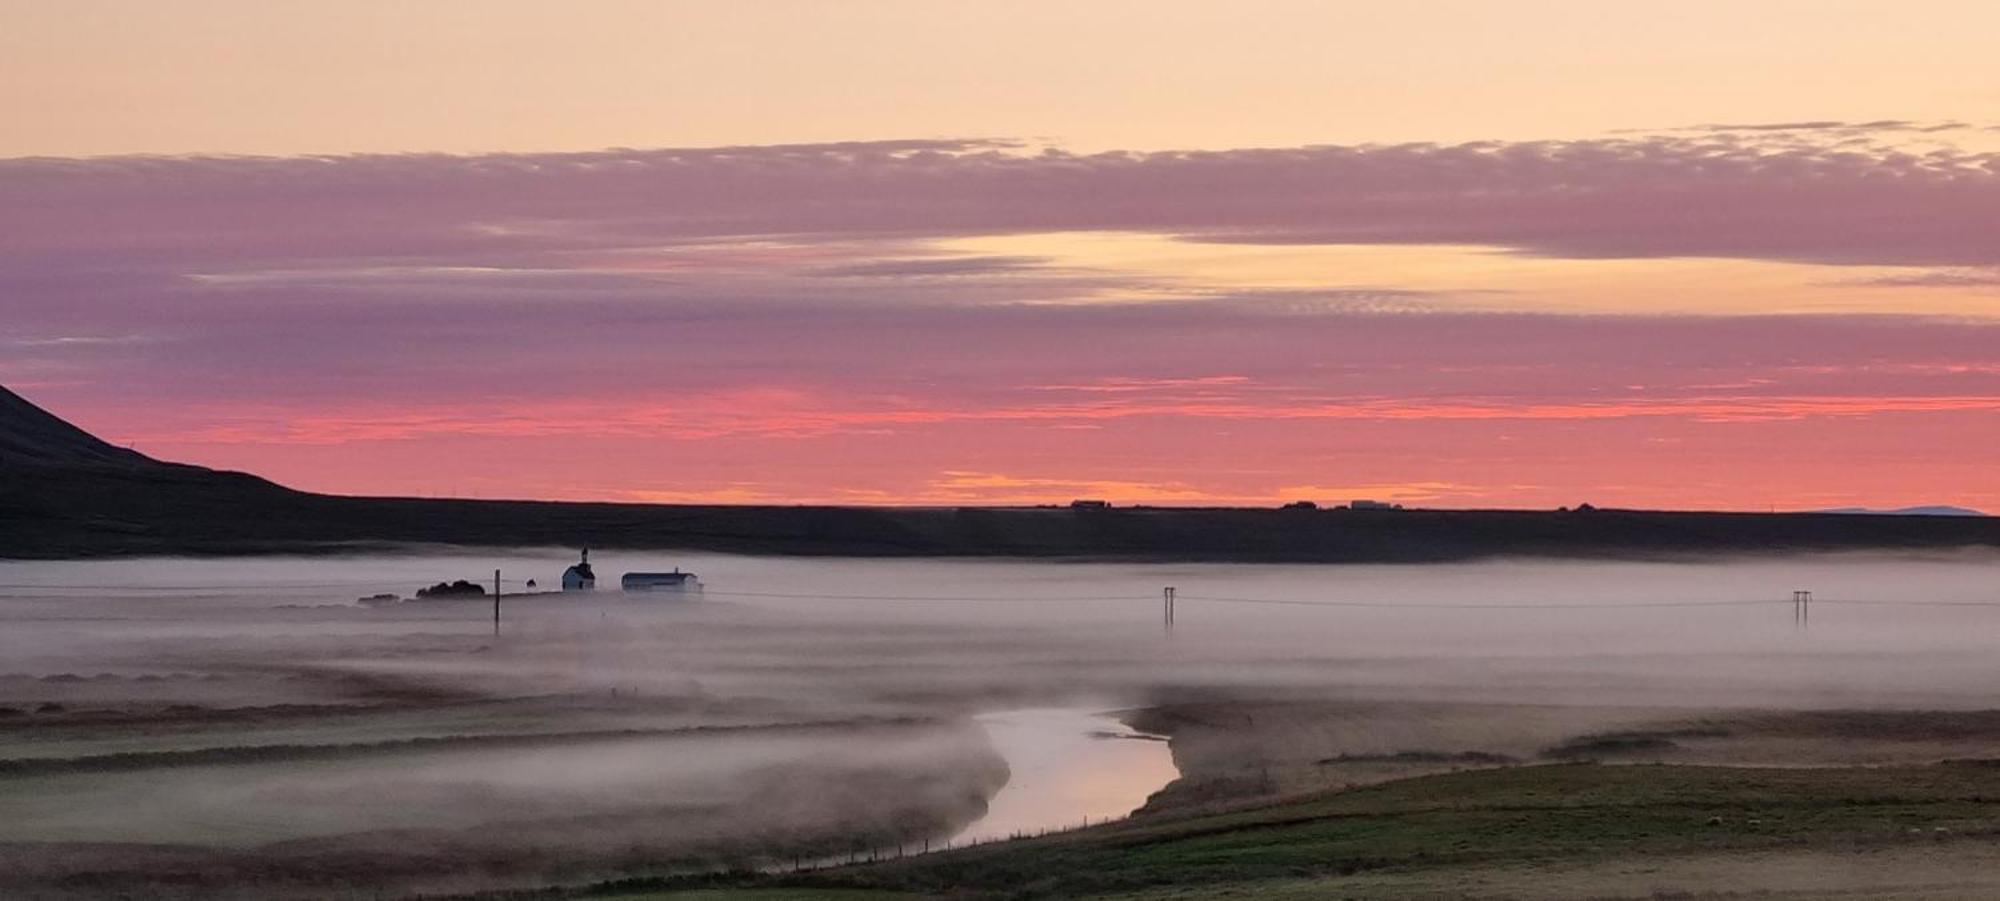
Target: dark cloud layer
(1639, 197)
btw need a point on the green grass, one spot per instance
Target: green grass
(1524, 816)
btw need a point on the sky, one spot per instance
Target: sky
(1722, 256)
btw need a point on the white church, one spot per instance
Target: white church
(580, 577)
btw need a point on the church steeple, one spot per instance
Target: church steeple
(579, 577)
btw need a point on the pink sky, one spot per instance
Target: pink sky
(1795, 312)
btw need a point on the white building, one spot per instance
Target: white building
(579, 577)
(674, 581)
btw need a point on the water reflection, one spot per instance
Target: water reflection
(1068, 766)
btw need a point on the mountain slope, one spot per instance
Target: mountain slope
(30, 435)
(67, 493)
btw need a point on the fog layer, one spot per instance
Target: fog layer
(244, 724)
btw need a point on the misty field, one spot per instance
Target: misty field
(244, 728)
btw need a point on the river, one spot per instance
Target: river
(1068, 767)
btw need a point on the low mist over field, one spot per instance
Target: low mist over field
(244, 722)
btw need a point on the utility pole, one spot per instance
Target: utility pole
(496, 602)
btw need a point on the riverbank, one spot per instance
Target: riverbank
(1866, 808)
(1546, 831)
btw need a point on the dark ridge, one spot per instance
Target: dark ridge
(32, 436)
(66, 494)
(1605, 744)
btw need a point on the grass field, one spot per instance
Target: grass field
(1577, 829)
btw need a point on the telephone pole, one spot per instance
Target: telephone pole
(496, 602)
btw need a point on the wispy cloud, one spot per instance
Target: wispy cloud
(1936, 278)
(938, 267)
(1875, 126)
(64, 341)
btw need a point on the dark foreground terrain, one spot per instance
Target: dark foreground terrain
(1549, 831)
(1672, 805)
(64, 493)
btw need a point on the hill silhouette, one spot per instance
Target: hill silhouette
(30, 435)
(1923, 510)
(66, 493)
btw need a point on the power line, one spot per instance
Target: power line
(354, 586)
(1859, 602)
(226, 589)
(1428, 605)
(198, 588)
(983, 599)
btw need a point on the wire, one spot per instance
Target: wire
(197, 588)
(928, 598)
(1856, 602)
(224, 589)
(1424, 605)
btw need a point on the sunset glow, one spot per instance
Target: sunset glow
(1633, 263)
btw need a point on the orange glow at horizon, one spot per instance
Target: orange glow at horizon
(1722, 256)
